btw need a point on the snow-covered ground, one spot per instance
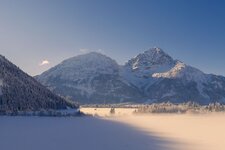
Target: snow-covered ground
(121, 131)
(185, 132)
(73, 133)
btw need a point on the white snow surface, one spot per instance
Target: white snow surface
(80, 133)
(181, 70)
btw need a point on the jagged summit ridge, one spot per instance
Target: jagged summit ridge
(151, 57)
(139, 70)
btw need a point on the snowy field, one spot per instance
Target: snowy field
(122, 131)
(73, 133)
(184, 132)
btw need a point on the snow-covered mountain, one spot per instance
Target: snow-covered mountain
(20, 92)
(89, 78)
(151, 76)
(139, 70)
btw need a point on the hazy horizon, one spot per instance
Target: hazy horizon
(37, 35)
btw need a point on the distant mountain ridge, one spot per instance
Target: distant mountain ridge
(151, 76)
(20, 92)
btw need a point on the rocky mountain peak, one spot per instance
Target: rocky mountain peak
(150, 58)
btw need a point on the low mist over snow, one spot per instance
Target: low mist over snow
(181, 131)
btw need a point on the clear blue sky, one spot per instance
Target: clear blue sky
(35, 30)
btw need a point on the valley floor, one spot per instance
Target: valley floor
(73, 133)
(122, 131)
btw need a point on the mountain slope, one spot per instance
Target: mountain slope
(151, 76)
(20, 92)
(90, 78)
(162, 78)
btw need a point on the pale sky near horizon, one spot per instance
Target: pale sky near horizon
(36, 35)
